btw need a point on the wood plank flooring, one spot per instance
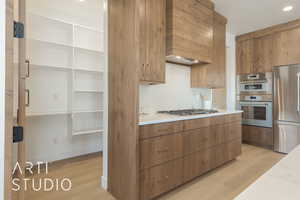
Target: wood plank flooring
(221, 184)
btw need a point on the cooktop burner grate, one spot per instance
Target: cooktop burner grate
(188, 112)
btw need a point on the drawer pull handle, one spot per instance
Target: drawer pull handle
(165, 130)
(163, 150)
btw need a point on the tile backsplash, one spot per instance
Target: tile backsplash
(176, 93)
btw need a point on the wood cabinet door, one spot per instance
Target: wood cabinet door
(155, 33)
(217, 71)
(213, 75)
(244, 56)
(294, 46)
(158, 150)
(160, 179)
(263, 54)
(281, 48)
(143, 41)
(198, 163)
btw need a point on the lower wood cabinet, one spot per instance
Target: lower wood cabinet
(197, 139)
(159, 150)
(259, 136)
(171, 159)
(198, 163)
(160, 179)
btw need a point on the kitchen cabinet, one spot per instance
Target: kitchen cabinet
(213, 75)
(190, 30)
(160, 149)
(255, 55)
(160, 179)
(286, 47)
(244, 56)
(152, 19)
(259, 136)
(263, 54)
(177, 152)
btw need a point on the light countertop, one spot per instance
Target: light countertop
(147, 119)
(282, 182)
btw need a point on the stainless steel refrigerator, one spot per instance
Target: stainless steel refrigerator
(286, 109)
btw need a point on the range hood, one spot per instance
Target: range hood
(181, 60)
(189, 38)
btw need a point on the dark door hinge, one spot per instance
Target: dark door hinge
(18, 30)
(18, 134)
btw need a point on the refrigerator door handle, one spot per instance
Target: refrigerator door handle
(298, 88)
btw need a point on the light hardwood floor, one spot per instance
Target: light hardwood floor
(221, 184)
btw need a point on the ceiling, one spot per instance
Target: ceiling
(249, 15)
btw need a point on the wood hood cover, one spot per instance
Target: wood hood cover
(190, 31)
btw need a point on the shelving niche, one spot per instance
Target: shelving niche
(67, 69)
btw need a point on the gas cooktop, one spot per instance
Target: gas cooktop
(188, 112)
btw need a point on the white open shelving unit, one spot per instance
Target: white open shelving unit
(67, 69)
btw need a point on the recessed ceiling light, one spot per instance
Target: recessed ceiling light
(81, 0)
(287, 8)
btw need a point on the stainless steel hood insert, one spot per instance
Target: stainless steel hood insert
(181, 60)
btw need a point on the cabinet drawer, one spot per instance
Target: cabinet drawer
(220, 133)
(233, 131)
(158, 150)
(227, 151)
(233, 118)
(196, 123)
(234, 149)
(222, 154)
(219, 120)
(160, 179)
(195, 140)
(149, 131)
(198, 163)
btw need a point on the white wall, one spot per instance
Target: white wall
(176, 93)
(2, 94)
(231, 71)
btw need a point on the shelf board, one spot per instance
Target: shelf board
(92, 50)
(65, 22)
(66, 45)
(88, 91)
(87, 111)
(36, 114)
(50, 67)
(75, 133)
(51, 42)
(88, 70)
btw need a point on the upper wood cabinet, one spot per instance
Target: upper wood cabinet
(287, 47)
(190, 29)
(152, 40)
(263, 54)
(244, 56)
(255, 55)
(213, 75)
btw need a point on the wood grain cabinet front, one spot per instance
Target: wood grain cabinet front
(286, 47)
(259, 136)
(160, 179)
(198, 139)
(155, 130)
(244, 56)
(158, 150)
(198, 163)
(213, 75)
(174, 153)
(190, 29)
(152, 17)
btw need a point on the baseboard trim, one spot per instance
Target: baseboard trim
(104, 182)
